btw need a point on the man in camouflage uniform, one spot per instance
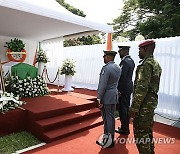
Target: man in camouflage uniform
(145, 98)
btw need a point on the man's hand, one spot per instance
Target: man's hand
(99, 104)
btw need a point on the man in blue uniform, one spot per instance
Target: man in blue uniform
(125, 88)
(108, 95)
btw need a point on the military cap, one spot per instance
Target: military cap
(123, 47)
(110, 53)
(146, 43)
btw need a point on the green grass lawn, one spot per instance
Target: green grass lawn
(17, 141)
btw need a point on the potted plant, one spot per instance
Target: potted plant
(42, 59)
(68, 68)
(15, 50)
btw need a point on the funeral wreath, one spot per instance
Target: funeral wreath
(16, 45)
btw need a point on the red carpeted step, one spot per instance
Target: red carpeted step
(56, 134)
(66, 119)
(62, 110)
(76, 90)
(78, 95)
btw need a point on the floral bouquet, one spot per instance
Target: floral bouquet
(9, 101)
(26, 87)
(41, 56)
(68, 67)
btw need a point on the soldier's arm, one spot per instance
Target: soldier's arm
(103, 84)
(142, 87)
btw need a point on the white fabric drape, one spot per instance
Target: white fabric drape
(168, 55)
(89, 61)
(54, 50)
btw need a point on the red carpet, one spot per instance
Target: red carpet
(84, 143)
(70, 123)
(13, 121)
(59, 115)
(49, 117)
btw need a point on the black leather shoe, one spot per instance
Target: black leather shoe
(120, 131)
(112, 145)
(102, 145)
(99, 143)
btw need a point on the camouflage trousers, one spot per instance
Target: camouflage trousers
(143, 132)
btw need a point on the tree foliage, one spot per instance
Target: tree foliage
(71, 8)
(84, 40)
(88, 40)
(152, 19)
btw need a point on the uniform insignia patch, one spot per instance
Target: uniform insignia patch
(103, 72)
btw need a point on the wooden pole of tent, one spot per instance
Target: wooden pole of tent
(109, 42)
(2, 78)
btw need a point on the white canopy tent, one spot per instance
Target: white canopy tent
(42, 19)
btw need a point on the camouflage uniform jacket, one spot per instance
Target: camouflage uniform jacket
(146, 85)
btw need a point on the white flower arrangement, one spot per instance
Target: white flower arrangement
(68, 67)
(41, 56)
(27, 87)
(9, 101)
